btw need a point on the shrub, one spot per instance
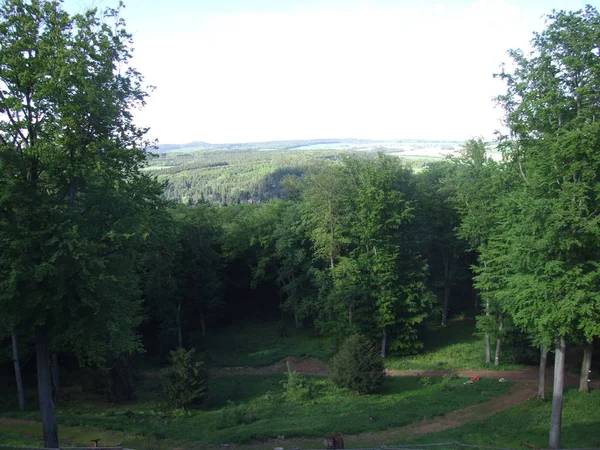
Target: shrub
(449, 382)
(424, 381)
(185, 381)
(296, 388)
(358, 365)
(234, 415)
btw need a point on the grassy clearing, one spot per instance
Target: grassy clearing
(249, 408)
(451, 348)
(260, 344)
(530, 423)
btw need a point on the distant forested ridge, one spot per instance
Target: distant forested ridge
(223, 174)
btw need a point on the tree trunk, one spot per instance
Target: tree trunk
(446, 289)
(585, 368)
(202, 324)
(542, 374)
(557, 393)
(499, 339)
(18, 378)
(445, 305)
(297, 320)
(179, 335)
(47, 410)
(488, 351)
(383, 342)
(55, 376)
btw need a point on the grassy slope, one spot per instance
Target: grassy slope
(259, 344)
(453, 347)
(242, 409)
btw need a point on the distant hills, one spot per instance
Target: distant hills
(295, 144)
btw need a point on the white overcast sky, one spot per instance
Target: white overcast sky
(257, 70)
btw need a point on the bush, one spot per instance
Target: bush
(424, 381)
(296, 388)
(234, 415)
(358, 365)
(449, 382)
(185, 380)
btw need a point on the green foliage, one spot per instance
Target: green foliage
(296, 388)
(548, 249)
(358, 366)
(76, 206)
(183, 271)
(360, 216)
(186, 383)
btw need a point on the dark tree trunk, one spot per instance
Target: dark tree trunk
(55, 377)
(447, 257)
(542, 374)
(499, 340)
(202, 324)
(18, 378)
(445, 305)
(585, 368)
(488, 351)
(179, 334)
(47, 410)
(383, 342)
(557, 393)
(297, 320)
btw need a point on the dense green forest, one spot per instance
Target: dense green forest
(109, 261)
(253, 172)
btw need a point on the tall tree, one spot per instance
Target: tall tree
(361, 217)
(549, 242)
(478, 186)
(74, 202)
(439, 220)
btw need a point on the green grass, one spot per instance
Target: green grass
(530, 422)
(259, 344)
(450, 348)
(248, 408)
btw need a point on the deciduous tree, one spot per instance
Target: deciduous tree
(74, 203)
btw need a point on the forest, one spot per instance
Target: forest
(135, 281)
(222, 174)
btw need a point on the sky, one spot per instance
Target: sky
(229, 71)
